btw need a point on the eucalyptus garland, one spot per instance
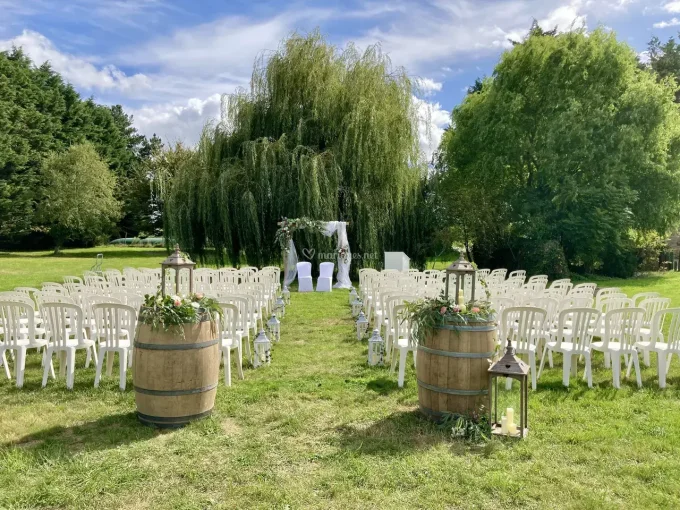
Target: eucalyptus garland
(287, 227)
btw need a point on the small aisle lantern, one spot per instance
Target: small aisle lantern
(263, 350)
(357, 305)
(460, 269)
(285, 294)
(177, 261)
(274, 326)
(362, 326)
(375, 349)
(280, 307)
(353, 296)
(513, 367)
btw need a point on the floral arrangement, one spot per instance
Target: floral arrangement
(426, 314)
(343, 253)
(166, 311)
(288, 226)
(473, 427)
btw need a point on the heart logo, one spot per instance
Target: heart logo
(308, 253)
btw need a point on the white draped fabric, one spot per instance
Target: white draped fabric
(331, 227)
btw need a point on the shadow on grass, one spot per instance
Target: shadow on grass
(105, 433)
(382, 386)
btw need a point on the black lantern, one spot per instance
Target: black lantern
(461, 268)
(177, 261)
(513, 367)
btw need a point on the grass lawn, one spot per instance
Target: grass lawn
(320, 429)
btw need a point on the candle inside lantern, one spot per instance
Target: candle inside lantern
(512, 429)
(510, 413)
(461, 298)
(504, 425)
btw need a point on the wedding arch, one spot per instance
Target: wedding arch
(284, 235)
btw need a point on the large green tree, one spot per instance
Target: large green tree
(40, 114)
(78, 200)
(564, 150)
(322, 132)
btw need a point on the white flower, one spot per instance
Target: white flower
(195, 305)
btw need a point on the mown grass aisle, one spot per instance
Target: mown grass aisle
(320, 429)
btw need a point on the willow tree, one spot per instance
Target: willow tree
(323, 133)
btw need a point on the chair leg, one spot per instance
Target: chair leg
(239, 354)
(645, 358)
(636, 361)
(98, 370)
(3, 358)
(20, 365)
(589, 370)
(62, 363)
(70, 368)
(402, 367)
(227, 366)
(616, 370)
(88, 358)
(109, 363)
(95, 357)
(566, 369)
(123, 369)
(661, 367)
(46, 369)
(550, 359)
(532, 367)
(393, 364)
(545, 350)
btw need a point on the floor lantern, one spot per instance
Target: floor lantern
(263, 350)
(362, 326)
(513, 367)
(280, 307)
(353, 296)
(357, 305)
(177, 261)
(285, 294)
(274, 326)
(375, 349)
(460, 269)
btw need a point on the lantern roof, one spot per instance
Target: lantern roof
(177, 260)
(461, 266)
(509, 364)
(362, 318)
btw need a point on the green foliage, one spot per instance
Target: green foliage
(569, 142)
(168, 312)
(287, 227)
(322, 133)
(427, 314)
(78, 198)
(40, 114)
(648, 246)
(473, 427)
(664, 60)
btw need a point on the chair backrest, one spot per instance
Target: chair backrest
(560, 288)
(606, 294)
(229, 320)
(614, 302)
(641, 296)
(501, 303)
(672, 337)
(304, 269)
(623, 325)
(62, 320)
(56, 288)
(529, 322)
(17, 319)
(575, 302)
(590, 286)
(52, 297)
(73, 279)
(326, 269)
(244, 305)
(550, 305)
(653, 305)
(519, 273)
(581, 324)
(115, 322)
(401, 322)
(127, 297)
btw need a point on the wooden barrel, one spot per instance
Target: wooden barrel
(452, 366)
(175, 374)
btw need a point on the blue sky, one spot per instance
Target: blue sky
(168, 61)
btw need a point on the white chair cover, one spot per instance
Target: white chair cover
(304, 271)
(323, 283)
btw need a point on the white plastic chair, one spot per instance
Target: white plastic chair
(324, 283)
(571, 338)
(621, 332)
(404, 341)
(664, 347)
(63, 320)
(524, 325)
(304, 275)
(641, 296)
(230, 339)
(116, 328)
(651, 306)
(19, 333)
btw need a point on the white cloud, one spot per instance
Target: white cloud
(175, 122)
(672, 7)
(427, 86)
(77, 70)
(432, 120)
(674, 22)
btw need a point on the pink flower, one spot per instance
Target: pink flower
(443, 310)
(475, 309)
(455, 309)
(177, 302)
(199, 295)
